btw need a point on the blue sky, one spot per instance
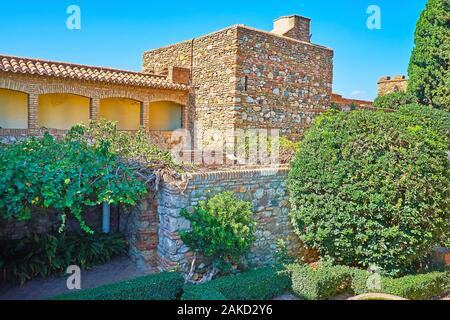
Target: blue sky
(115, 33)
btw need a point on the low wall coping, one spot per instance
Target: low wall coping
(240, 173)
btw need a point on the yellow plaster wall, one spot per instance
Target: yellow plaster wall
(62, 111)
(13, 109)
(165, 116)
(126, 112)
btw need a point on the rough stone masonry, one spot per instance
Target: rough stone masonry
(247, 78)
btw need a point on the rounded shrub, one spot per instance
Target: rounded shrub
(394, 100)
(371, 188)
(222, 229)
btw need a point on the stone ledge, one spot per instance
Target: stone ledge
(241, 173)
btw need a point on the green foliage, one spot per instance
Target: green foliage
(135, 146)
(221, 229)
(260, 284)
(414, 287)
(162, 286)
(282, 254)
(429, 67)
(394, 100)
(202, 293)
(67, 175)
(325, 281)
(47, 254)
(371, 188)
(288, 149)
(429, 118)
(322, 282)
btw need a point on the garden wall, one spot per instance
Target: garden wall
(264, 188)
(47, 220)
(152, 228)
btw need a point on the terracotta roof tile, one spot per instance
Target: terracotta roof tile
(83, 72)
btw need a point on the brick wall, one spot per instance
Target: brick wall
(345, 103)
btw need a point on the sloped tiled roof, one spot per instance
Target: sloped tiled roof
(83, 72)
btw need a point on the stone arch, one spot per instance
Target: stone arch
(179, 99)
(65, 89)
(61, 110)
(125, 111)
(14, 86)
(166, 115)
(13, 109)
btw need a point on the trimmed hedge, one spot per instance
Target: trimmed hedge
(326, 281)
(321, 283)
(162, 286)
(414, 287)
(260, 284)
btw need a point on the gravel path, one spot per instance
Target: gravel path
(117, 270)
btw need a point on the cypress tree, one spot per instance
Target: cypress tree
(429, 68)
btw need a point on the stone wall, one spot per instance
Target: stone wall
(153, 227)
(212, 59)
(282, 83)
(388, 85)
(247, 78)
(346, 104)
(46, 220)
(264, 188)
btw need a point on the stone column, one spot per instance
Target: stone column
(145, 111)
(33, 113)
(94, 108)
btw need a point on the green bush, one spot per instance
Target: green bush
(47, 254)
(320, 283)
(162, 286)
(202, 293)
(429, 67)
(66, 175)
(414, 287)
(326, 281)
(371, 188)
(394, 100)
(221, 229)
(260, 284)
(137, 146)
(431, 119)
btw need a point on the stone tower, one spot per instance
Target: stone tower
(388, 85)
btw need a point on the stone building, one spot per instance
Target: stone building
(388, 85)
(247, 78)
(238, 77)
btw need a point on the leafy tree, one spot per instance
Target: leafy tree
(371, 188)
(429, 68)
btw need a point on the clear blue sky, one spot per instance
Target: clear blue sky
(115, 33)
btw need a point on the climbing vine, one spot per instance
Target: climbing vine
(67, 175)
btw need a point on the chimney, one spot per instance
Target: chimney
(294, 26)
